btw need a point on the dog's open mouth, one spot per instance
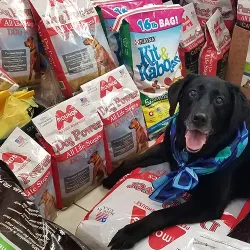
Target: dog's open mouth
(195, 140)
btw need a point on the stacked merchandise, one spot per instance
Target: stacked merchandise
(71, 112)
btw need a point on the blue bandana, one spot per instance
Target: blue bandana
(174, 184)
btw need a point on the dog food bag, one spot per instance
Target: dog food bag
(128, 202)
(73, 40)
(205, 9)
(245, 81)
(73, 134)
(19, 56)
(150, 37)
(6, 82)
(192, 40)
(117, 100)
(243, 14)
(214, 54)
(31, 164)
(109, 12)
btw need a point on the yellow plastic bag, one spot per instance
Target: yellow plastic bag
(16, 111)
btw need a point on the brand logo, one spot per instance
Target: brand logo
(121, 10)
(109, 85)
(161, 239)
(68, 116)
(10, 159)
(137, 214)
(217, 29)
(187, 23)
(53, 2)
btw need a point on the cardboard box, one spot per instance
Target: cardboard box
(237, 57)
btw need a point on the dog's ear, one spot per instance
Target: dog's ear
(240, 107)
(175, 90)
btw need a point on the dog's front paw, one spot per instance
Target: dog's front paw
(109, 182)
(126, 238)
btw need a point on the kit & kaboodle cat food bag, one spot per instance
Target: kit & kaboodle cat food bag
(31, 164)
(108, 11)
(214, 55)
(192, 41)
(150, 37)
(73, 40)
(205, 9)
(19, 55)
(117, 101)
(73, 134)
(128, 202)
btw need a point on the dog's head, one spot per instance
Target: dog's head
(134, 124)
(44, 198)
(29, 42)
(94, 157)
(90, 41)
(209, 108)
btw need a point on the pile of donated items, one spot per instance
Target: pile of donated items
(83, 86)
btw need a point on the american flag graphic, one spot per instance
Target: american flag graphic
(101, 216)
(19, 139)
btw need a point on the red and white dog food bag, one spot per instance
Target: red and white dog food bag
(243, 14)
(192, 40)
(117, 101)
(31, 164)
(73, 40)
(73, 132)
(214, 54)
(205, 9)
(19, 55)
(128, 202)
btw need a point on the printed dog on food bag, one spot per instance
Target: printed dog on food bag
(206, 144)
(34, 58)
(99, 170)
(141, 137)
(49, 203)
(101, 55)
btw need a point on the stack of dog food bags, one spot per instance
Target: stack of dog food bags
(192, 40)
(72, 132)
(31, 164)
(73, 40)
(243, 14)
(205, 9)
(108, 216)
(108, 12)
(214, 54)
(117, 101)
(150, 37)
(18, 43)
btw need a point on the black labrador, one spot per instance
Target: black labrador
(210, 112)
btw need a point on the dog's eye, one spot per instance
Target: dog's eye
(219, 101)
(193, 93)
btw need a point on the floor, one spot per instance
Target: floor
(71, 217)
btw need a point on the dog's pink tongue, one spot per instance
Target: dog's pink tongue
(195, 139)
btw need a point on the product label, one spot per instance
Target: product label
(31, 164)
(117, 100)
(19, 55)
(75, 132)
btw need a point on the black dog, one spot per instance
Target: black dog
(211, 111)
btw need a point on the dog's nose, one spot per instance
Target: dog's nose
(200, 119)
